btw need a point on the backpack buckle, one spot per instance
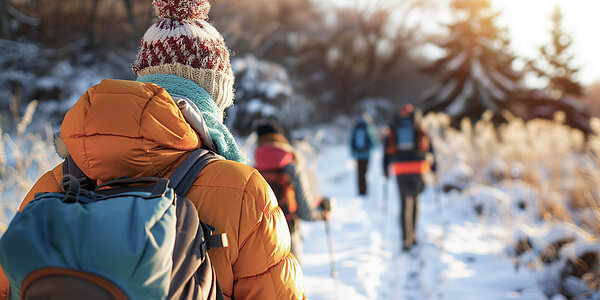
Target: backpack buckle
(70, 185)
(217, 241)
(213, 240)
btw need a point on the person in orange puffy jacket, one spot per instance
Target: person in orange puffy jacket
(148, 126)
(281, 166)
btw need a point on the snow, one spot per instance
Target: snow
(506, 83)
(448, 89)
(262, 78)
(459, 176)
(264, 89)
(457, 62)
(479, 74)
(257, 106)
(523, 199)
(460, 103)
(487, 101)
(577, 250)
(487, 43)
(12, 51)
(430, 91)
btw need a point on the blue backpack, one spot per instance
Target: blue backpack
(409, 138)
(130, 238)
(360, 139)
(405, 134)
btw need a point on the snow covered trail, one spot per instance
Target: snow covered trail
(458, 255)
(367, 239)
(360, 255)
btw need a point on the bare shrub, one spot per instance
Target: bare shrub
(24, 157)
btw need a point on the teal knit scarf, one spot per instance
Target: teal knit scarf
(213, 116)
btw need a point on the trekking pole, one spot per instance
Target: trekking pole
(438, 205)
(384, 200)
(433, 182)
(334, 274)
(438, 208)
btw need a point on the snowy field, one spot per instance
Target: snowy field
(458, 257)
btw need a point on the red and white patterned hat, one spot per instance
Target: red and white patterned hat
(184, 44)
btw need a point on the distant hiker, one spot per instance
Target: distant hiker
(406, 145)
(147, 127)
(362, 142)
(283, 169)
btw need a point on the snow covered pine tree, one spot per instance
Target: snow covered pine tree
(476, 73)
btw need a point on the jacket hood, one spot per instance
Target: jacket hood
(179, 86)
(126, 128)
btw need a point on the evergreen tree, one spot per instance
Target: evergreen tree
(476, 72)
(556, 63)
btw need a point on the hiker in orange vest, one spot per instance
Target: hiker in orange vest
(406, 145)
(282, 168)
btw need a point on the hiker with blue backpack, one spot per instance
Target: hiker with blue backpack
(153, 200)
(406, 146)
(363, 141)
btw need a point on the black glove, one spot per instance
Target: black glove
(432, 161)
(325, 204)
(386, 167)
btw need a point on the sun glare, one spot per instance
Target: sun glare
(529, 25)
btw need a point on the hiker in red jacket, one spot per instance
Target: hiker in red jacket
(280, 165)
(406, 145)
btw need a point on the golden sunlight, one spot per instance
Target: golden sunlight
(529, 25)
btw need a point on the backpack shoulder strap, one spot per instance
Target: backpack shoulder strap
(185, 174)
(69, 167)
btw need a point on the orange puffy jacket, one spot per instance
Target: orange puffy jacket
(135, 129)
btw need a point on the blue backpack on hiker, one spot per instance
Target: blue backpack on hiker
(405, 134)
(130, 238)
(409, 138)
(360, 139)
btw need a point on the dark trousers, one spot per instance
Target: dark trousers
(409, 186)
(362, 176)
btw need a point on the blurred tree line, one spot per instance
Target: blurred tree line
(53, 23)
(334, 58)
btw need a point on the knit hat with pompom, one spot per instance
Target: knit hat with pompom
(184, 44)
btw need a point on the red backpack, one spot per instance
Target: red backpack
(271, 162)
(281, 184)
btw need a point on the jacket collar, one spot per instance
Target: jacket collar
(213, 116)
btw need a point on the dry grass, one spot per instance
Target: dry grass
(24, 157)
(558, 161)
